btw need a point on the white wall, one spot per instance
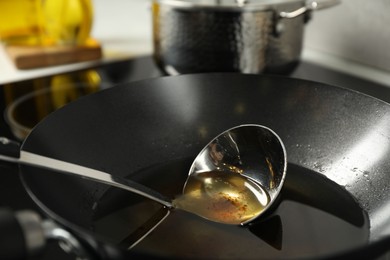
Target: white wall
(123, 26)
(356, 30)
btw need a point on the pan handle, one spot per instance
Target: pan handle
(24, 234)
(310, 6)
(13, 242)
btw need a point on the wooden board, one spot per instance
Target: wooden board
(29, 57)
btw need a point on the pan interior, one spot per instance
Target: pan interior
(329, 131)
(314, 217)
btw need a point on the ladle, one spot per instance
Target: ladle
(233, 180)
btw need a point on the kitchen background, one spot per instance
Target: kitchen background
(352, 37)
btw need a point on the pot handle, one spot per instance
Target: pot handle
(310, 6)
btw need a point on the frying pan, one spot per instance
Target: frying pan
(336, 195)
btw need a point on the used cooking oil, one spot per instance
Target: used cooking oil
(223, 197)
(49, 22)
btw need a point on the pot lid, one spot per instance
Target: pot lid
(230, 4)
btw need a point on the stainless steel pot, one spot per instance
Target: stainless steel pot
(230, 36)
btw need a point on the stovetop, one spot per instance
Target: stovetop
(12, 193)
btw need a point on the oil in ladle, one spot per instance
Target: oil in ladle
(223, 196)
(236, 176)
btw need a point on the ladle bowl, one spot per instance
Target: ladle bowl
(237, 176)
(233, 180)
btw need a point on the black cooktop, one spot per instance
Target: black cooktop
(27, 113)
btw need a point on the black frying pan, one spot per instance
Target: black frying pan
(336, 196)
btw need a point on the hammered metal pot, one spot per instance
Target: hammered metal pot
(230, 36)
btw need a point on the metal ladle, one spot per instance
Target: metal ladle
(233, 180)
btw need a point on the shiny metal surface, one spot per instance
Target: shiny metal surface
(67, 241)
(253, 5)
(310, 6)
(199, 40)
(253, 151)
(55, 165)
(238, 5)
(192, 37)
(34, 236)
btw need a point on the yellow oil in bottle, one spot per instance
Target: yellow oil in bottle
(45, 23)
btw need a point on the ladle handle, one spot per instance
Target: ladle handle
(10, 152)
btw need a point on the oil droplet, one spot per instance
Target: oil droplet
(223, 197)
